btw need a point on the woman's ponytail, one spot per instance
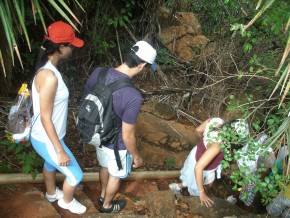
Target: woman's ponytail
(47, 48)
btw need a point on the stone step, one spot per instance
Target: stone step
(26, 202)
(161, 204)
(115, 215)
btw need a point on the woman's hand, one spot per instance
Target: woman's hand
(205, 200)
(63, 158)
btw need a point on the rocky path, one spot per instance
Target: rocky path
(144, 199)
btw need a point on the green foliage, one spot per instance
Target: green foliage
(267, 184)
(170, 163)
(216, 16)
(20, 154)
(124, 16)
(164, 58)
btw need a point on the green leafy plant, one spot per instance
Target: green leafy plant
(124, 16)
(164, 58)
(21, 155)
(170, 163)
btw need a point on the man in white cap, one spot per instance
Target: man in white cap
(126, 104)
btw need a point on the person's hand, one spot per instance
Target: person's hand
(137, 161)
(205, 200)
(63, 158)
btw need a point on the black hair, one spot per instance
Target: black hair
(131, 59)
(47, 48)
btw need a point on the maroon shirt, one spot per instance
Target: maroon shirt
(214, 163)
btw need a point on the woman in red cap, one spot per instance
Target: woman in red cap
(50, 107)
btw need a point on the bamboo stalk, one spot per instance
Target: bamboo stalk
(17, 178)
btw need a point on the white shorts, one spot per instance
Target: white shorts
(106, 159)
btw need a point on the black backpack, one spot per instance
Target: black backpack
(96, 120)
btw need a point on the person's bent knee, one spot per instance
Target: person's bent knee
(75, 179)
(79, 177)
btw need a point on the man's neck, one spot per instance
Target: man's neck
(123, 68)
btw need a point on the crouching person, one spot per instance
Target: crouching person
(204, 161)
(116, 147)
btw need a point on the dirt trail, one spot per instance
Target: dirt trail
(144, 199)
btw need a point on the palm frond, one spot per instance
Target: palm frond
(69, 10)
(21, 19)
(62, 13)
(2, 63)
(260, 12)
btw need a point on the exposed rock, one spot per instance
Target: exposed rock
(149, 124)
(164, 111)
(139, 188)
(186, 19)
(157, 155)
(175, 144)
(155, 137)
(190, 20)
(183, 36)
(28, 203)
(164, 140)
(161, 204)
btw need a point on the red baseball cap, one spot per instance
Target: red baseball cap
(61, 32)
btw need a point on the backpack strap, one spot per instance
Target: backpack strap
(120, 83)
(114, 86)
(102, 76)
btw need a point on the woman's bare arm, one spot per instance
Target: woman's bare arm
(201, 164)
(46, 84)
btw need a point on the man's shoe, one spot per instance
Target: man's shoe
(58, 194)
(100, 201)
(74, 206)
(116, 207)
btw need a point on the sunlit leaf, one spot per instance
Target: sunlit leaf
(2, 64)
(69, 10)
(62, 13)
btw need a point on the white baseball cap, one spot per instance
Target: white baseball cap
(145, 52)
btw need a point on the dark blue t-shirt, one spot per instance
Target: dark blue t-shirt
(126, 101)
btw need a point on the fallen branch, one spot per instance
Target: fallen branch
(165, 91)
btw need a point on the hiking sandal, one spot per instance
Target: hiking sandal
(116, 207)
(101, 201)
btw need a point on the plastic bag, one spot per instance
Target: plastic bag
(19, 118)
(247, 195)
(278, 205)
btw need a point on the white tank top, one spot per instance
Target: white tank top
(60, 108)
